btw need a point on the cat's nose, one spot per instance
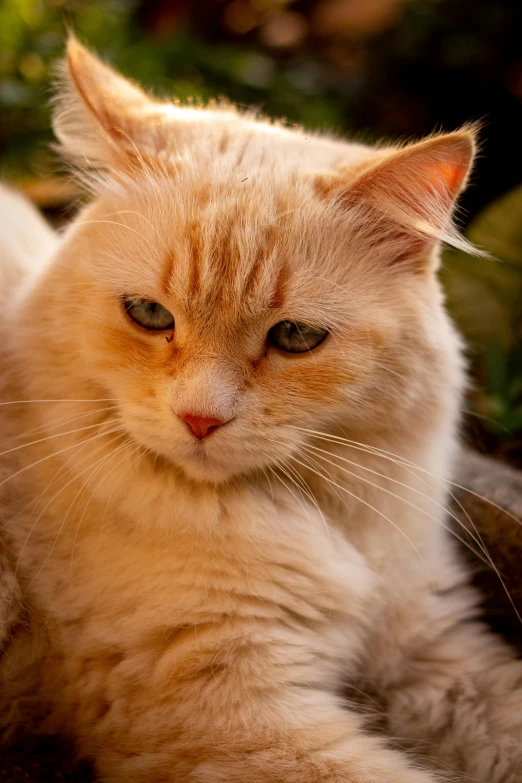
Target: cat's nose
(201, 426)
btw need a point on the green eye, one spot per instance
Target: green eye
(295, 337)
(151, 315)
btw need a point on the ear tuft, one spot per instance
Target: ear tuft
(415, 188)
(98, 114)
(441, 164)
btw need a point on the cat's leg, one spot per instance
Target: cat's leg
(452, 687)
(234, 737)
(246, 710)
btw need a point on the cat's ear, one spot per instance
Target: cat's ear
(101, 118)
(414, 190)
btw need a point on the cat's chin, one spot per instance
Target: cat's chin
(218, 464)
(208, 473)
(203, 468)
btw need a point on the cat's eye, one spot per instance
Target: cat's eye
(296, 337)
(148, 314)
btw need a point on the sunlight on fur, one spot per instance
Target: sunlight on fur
(229, 406)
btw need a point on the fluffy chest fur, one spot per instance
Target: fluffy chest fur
(141, 577)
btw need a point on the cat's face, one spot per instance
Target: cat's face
(242, 289)
(231, 269)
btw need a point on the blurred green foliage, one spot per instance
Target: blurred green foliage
(32, 35)
(485, 297)
(395, 83)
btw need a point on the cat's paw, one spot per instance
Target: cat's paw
(379, 766)
(498, 759)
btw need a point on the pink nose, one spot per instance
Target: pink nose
(201, 426)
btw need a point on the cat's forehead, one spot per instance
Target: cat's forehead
(221, 259)
(240, 245)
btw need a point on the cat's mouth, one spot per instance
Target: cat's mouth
(230, 451)
(211, 460)
(208, 460)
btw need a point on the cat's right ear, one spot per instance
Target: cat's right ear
(101, 119)
(413, 189)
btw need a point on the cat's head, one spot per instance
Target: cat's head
(236, 284)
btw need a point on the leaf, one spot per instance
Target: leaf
(496, 367)
(485, 294)
(498, 229)
(480, 313)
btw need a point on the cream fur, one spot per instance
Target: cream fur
(198, 610)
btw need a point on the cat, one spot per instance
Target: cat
(230, 404)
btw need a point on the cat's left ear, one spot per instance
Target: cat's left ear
(101, 118)
(413, 189)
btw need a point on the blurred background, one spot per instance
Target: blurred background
(370, 69)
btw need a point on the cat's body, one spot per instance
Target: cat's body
(197, 608)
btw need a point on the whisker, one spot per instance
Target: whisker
(120, 225)
(82, 445)
(278, 477)
(300, 483)
(146, 170)
(74, 478)
(399, 497)
(44, 459)
(125, 445)
(410, 466)
(138, 214)
(102, 461)
(364, 502)
(405, 463)
(267, 476)
(139, 447)
(25, 402)
(483, 557)
(313, 461)
(403, 460)
(58, 423)
(49, 437)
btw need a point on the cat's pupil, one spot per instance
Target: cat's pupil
(296, 337)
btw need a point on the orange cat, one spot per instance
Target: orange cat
(230, 398)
